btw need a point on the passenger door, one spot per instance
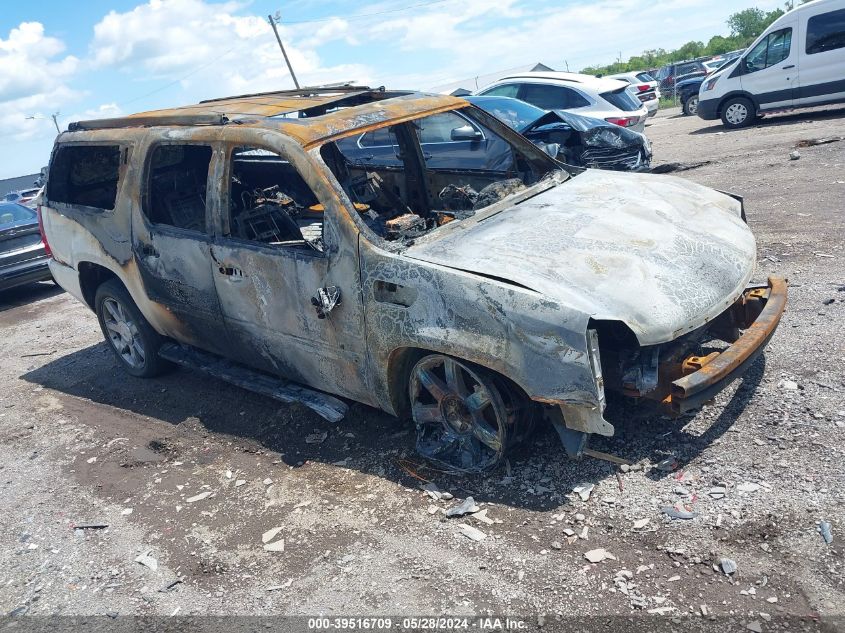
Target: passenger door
(171, 240)
(279, 243)
(770, 70)
(822, 59)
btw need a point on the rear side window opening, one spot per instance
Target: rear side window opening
(622, 99)
(177, 177)
(85, 175)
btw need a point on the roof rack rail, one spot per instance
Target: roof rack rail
(149, 121)
(305, 91)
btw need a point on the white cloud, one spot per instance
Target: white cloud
(33, 81)
(212, 50)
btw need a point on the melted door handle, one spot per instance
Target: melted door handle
(234, 274)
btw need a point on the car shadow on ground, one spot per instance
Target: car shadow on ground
(777, 120)
(22, 295)
(538, 475)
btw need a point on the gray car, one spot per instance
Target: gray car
(235, 236)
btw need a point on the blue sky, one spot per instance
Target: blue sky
(103, 58)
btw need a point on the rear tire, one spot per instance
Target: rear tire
(691, 105)
(738, 112)
(131, 338)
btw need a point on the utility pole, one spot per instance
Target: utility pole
(282, 46)
(53, 116)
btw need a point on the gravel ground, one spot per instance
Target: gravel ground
(194, 472)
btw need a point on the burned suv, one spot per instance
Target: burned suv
(475, 291)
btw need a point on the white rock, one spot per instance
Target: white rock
(598, 555)
(269, 535)
(147, 560)
(91, 460)
(267, 481)
(278, 546)
(199, 497)
(639, 524)
(748, 486)
(126, 512)
(584, 490)
(239, 482)
(472, 533)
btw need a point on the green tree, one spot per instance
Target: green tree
(748, 24)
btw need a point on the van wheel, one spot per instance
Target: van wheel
(466, 417)
(130, 336)
(738, 112)
(691, 105)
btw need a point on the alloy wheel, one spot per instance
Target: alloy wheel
(123, 333)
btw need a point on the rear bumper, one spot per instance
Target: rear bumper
(708, 109)
(716, 373)
(67, 278)
(24, 273)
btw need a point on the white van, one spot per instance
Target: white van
(799, 61)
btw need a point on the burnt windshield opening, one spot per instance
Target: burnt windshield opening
(410, 178)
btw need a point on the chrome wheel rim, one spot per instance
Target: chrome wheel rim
(736, 113)
(461, 417)
(692, 105)
(123, 334)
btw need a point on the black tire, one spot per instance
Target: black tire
(691, 105)
(738, 112)
(133, 341)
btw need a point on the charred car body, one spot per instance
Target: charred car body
(231, 236)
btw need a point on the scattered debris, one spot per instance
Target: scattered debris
(90, 526)
(316, 438)
(147, 560)
(199, 497)
(755, 626)
(668, 465)
(91, 460)
(284, 585)
(748, 486)
(718, 492)
(481, 515)
(267, 481)
(794, 155)
(239, 483)
(679, 511)
(167, 588)
(639, 524)
(269, 535)
(598, 555)
(584, 490)
(810, 142)
(788, 385)
(278, 546)
(472, 533)
(825, 530)
(668, 168)
(468, 506)
(704, 611)
(728, 566)
(126, 512)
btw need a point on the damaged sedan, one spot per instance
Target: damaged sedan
(576, 140)
(476, 291)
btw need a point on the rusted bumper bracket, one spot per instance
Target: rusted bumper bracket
(693, 390)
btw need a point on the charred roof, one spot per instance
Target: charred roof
(311, 115)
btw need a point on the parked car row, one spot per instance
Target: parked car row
(25, 197)
(23, 259)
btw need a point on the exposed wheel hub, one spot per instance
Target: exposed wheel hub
(456, 413)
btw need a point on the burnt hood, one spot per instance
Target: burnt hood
(662, 254)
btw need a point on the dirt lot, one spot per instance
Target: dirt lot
(83, 443)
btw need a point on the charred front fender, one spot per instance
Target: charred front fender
(537, 343)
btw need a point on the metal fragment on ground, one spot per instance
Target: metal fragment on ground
(467, 506)
(269, 535)
(679, 511)
(278, 546)
(199, 497)
(728, 566)
(825, 530)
